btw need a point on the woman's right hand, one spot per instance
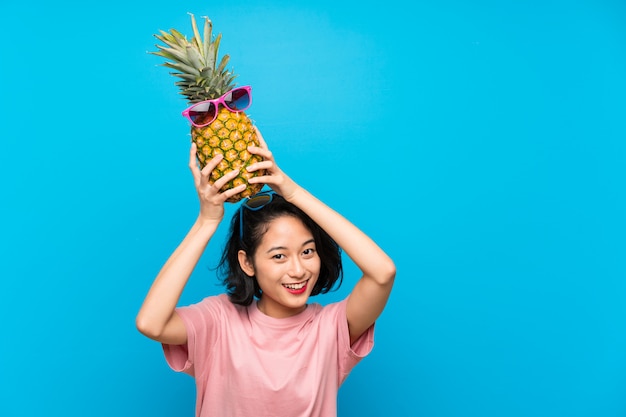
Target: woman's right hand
(211, 199)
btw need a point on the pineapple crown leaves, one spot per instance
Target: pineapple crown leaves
(194, 62)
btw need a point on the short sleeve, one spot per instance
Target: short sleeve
(199, 320)
(349, 356)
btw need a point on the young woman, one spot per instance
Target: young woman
(261, 349)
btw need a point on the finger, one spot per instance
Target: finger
(267, 165)
(264, 179)
(260, 137)
(210, 166)
(264, 153)
(233, 191)
(193, 162)
(226, 178)
(192, 156)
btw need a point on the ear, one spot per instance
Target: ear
(245, 263)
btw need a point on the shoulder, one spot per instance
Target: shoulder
(336, 310)
(216, 305)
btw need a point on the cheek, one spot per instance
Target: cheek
(315, 266)
(265, 270)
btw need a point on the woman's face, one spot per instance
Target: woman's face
(287, 266)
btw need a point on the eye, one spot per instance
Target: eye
(278, 256)
(309, 252)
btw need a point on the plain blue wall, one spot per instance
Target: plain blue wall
(482, 144)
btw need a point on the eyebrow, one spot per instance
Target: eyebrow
(273, 248)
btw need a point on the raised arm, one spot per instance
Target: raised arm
(370, 294)
(157, 318)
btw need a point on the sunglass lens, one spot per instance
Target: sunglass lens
(258, 201)
(238, 99)
(202, 113)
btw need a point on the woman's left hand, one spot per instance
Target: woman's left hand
(274, 176)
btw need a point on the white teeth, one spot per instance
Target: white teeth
(295, 286)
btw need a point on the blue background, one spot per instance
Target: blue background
(480, 143)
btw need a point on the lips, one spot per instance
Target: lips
(296, 288)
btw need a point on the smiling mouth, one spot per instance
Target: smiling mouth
(300, 286)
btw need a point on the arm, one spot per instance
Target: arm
(369, 296)
(157, 318)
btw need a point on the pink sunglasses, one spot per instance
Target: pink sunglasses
(204, 113)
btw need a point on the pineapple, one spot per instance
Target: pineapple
(201, 79)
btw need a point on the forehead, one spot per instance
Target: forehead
(284, 230)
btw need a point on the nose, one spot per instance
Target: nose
(296, 269)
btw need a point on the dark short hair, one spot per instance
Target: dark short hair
(241, 288)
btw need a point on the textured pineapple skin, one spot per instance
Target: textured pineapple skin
(229, 134)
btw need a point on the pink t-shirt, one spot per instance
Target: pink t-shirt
(248, 364)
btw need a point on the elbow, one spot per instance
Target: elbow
(147, 328)
(387, 274)
(391, 274)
